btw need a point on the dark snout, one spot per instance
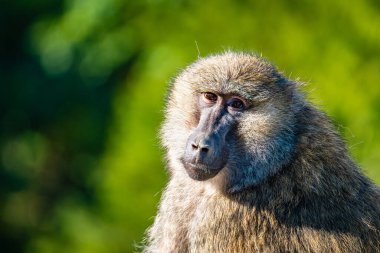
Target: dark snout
(204, 156)
(206, 152)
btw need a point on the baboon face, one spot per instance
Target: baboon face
(206, 151)
(230, 121)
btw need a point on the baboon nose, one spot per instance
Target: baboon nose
(200, 147)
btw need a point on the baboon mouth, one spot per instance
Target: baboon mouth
(200, 172)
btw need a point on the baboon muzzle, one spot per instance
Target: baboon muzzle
(206, 153)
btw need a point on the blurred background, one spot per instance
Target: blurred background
(82, 92)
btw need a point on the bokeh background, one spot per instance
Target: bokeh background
(82, 95)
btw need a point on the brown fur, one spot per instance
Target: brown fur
(316, 201)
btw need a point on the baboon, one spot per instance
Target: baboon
(254, 167)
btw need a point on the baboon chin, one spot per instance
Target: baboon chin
(254, 167)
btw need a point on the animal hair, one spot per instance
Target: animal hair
(289, 183)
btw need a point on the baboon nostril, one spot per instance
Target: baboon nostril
(204, 150)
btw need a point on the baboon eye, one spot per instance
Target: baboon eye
(237, 104)
(209, 97)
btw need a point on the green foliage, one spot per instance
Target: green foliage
(82, 97)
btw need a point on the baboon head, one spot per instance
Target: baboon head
(230, 121)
